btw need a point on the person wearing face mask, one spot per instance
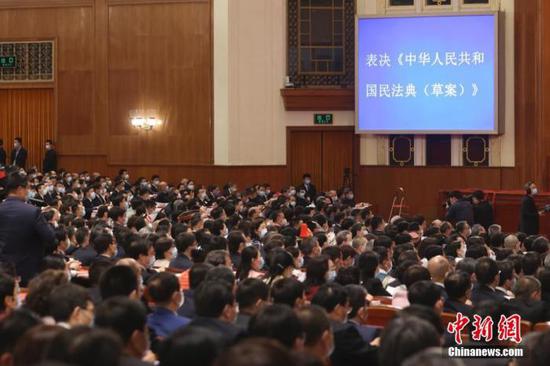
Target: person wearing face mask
(88, 201)
(529, 214)
(163, 290)
(165, 251)
(318, 336)
(40, 197)
(317, 274)
(309, 189)
(251, 264)
(359, 312)
(19, 153)
(50, 157)
(155, 181)
(251, 295)
(144, 253)
(280, 266)
(302, 199)
(203, 199)
(348, 198)
(71, 306)
(350, 348)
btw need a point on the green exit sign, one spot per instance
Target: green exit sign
(323, 119)
(7, 61)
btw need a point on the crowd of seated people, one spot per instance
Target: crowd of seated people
(146, 272)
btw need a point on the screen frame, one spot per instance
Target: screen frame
(496, 122)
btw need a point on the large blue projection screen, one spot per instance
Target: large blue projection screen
(427, 74)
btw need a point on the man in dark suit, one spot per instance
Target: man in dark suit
(89, 201)
(19, 153)
(529, 214)
(2, 153)
(349, 346)
(50, 158)
(128, 319)
(488, 277)
(24, 233)
(460, 210)
(458, 286)
(308, 187)
(185, 243)
(527, 302)
(483, 210)
(216, 310)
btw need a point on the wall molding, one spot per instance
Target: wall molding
(151, 2)
(24, 4)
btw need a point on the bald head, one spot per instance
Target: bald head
(438, 267)
(527, 288)
(511, 242)
(437, 223)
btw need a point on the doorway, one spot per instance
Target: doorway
(329, 154)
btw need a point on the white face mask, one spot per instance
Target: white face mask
(331, 275)
(174, 252)
(151, 261)
(534, 191)
(263, 232)
(182, 300)
(300, 263)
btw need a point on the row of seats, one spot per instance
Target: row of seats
(382, 313)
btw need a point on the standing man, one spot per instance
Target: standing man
(529, 214)
(2, 153)
(19, 153)
(308, 187)
(461, 209)
(24, 232)
(483, 210)
(50, 158)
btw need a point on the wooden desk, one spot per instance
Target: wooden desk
(506, 206)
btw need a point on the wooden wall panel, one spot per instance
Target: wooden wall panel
(422, 184)
(338, 153)
(116, 56)
(27, 4)
(305, 155)
(160, 60)
(75, 114)
(27, 113)
(529, 126)
(243, 176)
